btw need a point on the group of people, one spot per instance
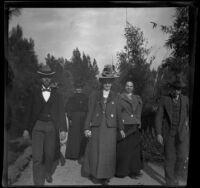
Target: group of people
(103, 132)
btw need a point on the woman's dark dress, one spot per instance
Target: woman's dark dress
(128, 149)
(100, 154)
(128, 153)
(76, 109)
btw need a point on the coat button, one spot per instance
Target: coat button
(113, 102)
(131, 115)
(123, 120)
(112, 115)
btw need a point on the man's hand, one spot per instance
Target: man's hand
(88, 133)
(62, 135)
(186, 123)
(122, 133)
(26, 134)
(160, 138)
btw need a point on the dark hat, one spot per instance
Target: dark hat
(177, 84)
(45, 71)
(108, 72)
(78, 85)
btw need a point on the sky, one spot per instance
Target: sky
(98, 32)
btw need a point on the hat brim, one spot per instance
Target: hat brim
(177, 86)
(47, 74)
(106, 77)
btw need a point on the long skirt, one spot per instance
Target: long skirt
(100, 154)
(128, 155)
(76, 142)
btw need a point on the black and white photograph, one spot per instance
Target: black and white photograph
(98, 95)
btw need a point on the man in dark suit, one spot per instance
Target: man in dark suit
(45, 119)
(172, 121)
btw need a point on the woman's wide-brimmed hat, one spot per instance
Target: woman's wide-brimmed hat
(108, 73)
(45, 71)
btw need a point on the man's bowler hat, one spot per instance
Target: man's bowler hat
(177, 84)
(45, 71)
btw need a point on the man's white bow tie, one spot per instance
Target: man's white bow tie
(46, 89)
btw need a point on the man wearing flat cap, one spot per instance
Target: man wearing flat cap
(45, 120)
(172, 127)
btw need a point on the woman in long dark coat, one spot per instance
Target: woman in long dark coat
(76, 109)
(101, 129)
(128, 146)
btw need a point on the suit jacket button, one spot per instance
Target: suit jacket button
(131, 115)
(112, 115)
(113, 102)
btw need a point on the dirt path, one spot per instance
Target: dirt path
(69, 174)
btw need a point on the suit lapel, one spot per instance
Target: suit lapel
(168, 106)
(123, 96)
(110, 96)
(182, 101)
(52, 97)
(38, 99)
(40, 96)
(132, 102)
(99, 98)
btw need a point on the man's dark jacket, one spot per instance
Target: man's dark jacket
(36, 103)
(163, 121)
(57, 111)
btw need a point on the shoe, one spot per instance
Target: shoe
(105, 181)
(49, 179)
(172, 182)
(135, 176)
(119, 176)
(94, 180)
(80, 160)
(176, 182)
(62, 161)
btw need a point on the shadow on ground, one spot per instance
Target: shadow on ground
(153, 174)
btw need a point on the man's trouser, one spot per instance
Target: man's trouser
(43, 150)
(176, 153)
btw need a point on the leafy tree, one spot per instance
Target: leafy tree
(83, 70)
(94, 68)
(13, 12)
(179, 35)
(63, 78)
(22, 63)
(177, 65)
(134, 63)
(78, 70)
